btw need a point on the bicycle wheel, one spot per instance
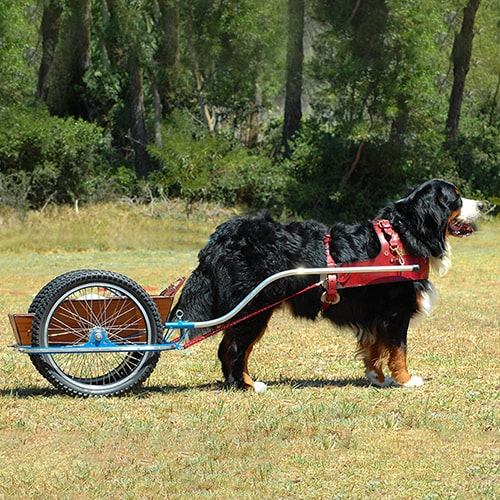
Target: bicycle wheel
(78, 306)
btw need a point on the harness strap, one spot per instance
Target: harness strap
(388, 236)
(330, 296)
(392, 253)
(236, 321)
(329, 259)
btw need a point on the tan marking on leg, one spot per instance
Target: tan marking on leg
(373, 357)
(247, 380)
(398, 365)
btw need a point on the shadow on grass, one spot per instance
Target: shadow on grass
(144, 390)
(220, 386)
(29, 392)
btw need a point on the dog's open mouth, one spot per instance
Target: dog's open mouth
(459, 228)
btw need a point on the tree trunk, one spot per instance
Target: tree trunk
(84, 15)
(461, 55)
(208, 118)
(168, 52)
(50, 35)
(400, 123)
(66, 96)
(294, 62)
(253, 124)
(139, 133)
(100, 29)
(157, 107)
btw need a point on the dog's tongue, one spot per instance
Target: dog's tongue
(460, 229)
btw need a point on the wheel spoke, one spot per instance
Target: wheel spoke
(97, 302)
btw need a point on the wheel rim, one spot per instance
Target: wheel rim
(80, 313)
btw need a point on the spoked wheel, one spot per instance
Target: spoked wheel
(90, 306)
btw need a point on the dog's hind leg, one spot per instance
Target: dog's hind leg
(373, 354)
(396, 350)
(235, 349)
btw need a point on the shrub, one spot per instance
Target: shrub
(46, 158)
(328, 183)
(199, 166)
(478, 157)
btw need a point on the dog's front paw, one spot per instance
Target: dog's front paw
(259, 387)
(372, 378)
(414, 382)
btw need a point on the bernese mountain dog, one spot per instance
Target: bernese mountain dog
(243, 252)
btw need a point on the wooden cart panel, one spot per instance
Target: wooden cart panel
(66, 327)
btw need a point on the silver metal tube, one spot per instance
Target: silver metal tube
(75, 349)
(285, 274)
(325, 271)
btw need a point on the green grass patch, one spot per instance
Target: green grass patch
(318, 432)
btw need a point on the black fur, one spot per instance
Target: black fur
(244, 251)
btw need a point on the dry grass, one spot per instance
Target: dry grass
(123, 227)
(318, 432)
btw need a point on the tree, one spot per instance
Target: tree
(139, 135)
(129, 44)
(461, 56)
(375, 74)
(18, 51)
(234, 52)
(166, 57)
(71, 59)
(294, 63)
(376, 66)
(52, 11)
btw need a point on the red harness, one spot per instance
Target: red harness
(392, 253)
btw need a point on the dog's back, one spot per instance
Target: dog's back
(243, 252)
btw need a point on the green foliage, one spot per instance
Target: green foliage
(44, 158)
(478, 158)
(379, 112)
(18, 40)
(318, 166)
(377, 84)
(377, 68)
(336, 179)
(476, 149)
(197, 165)
(233, 61)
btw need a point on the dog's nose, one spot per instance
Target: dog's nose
(480, 206)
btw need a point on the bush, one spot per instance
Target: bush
(199, 166)
(49, 159)
(478, 157)
(329, 185)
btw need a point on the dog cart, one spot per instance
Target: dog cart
(99, 333)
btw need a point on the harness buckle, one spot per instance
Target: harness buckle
(330, 296)
(393, 241)
(395, 250)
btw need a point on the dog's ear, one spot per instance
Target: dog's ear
(427, 219)
(449, 198)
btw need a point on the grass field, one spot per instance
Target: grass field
(319, 432)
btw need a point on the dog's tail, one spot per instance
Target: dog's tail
(195, 302)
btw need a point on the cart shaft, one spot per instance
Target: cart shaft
(285, 274)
